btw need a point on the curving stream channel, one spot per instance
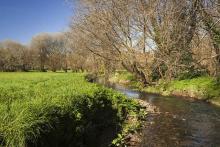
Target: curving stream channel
(182, 122)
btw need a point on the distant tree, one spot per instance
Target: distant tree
(13, 56)
(40, 44)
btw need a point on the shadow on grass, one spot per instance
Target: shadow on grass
(97, 126)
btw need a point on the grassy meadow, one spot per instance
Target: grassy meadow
(58, 109)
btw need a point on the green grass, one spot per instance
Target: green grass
(43, 108)
(205, 88)
(125, 78)
(202, 87)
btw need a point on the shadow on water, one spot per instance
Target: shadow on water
(181, 122)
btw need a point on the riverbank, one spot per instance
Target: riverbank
(131, 134)
(202, 88)
(179, 121)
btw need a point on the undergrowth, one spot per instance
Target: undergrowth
(205, 88)
(59, 109)
(125, 78)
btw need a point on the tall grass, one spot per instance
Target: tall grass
(36, 108)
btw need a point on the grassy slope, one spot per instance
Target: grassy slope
(34, 105)
(202, 88)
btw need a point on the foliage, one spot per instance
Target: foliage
(50, 109)
(193, 73)
(131, 126)
(204, 87)
(156, 72)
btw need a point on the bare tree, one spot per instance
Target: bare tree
(40, 44)
(14, 56)
(211, 19)
(141, 35)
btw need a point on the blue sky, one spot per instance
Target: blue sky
(20, 20)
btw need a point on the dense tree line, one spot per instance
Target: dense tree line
(45, 52)
(153, 39)
(14, 56)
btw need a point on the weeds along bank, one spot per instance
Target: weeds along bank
(60, 109)
(204, 87)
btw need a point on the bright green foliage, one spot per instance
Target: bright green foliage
(47, 107)
(130, 126)
(202, 87)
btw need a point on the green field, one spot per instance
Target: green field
(57, 109)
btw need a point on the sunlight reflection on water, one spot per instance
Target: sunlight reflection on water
(181, 122)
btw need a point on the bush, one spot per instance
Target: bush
(192, 74)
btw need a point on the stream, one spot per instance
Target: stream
(182, 122)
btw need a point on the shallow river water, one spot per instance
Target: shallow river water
(182, 122)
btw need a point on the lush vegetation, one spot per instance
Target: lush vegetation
(169, 47)
(59, 109)
(179, 49)
(202, 87)
(206, 88)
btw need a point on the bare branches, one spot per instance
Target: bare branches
(145, 35)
